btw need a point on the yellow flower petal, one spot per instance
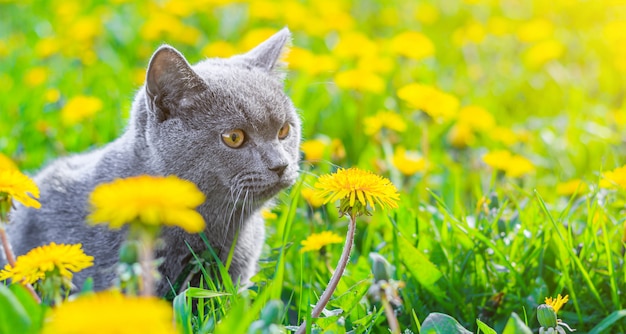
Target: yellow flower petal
(316, 241)
(151, 200)
(111, 312)
(34, 265)
(19, 187)
(557, 302)
(353, 183)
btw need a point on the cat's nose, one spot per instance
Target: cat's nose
(279, 169)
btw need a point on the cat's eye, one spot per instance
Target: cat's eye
(284, 131)
(233, 138)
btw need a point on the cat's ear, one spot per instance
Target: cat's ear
(269, 54)
(168, 79)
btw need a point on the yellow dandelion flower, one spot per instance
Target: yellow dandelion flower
(264, 10)
(6, 162)
(613, 32)
(618, 117)
(557, 302)
(570, 187)
(384, 119)
(376, 64)
(408, 162)
(543, 52)
(412, 44)
(316, 241)
(511, 164)
(255, 37)
(36, 76)
(471, 33)
(337, 149)
(52, 95)
(139, 76)
(111, 312)
(150, 200)
(535, 30)
(85, 29)
(294, 14)
(614, 178)
(504, 135)
(220, 49)
(497, 159)
(268, 214)
(519, 166)
(314, 149)
(299, 58)
(333, 16)
(498, 25)
(47, 46)
(357, 189)
(34, 265)
(180, 8)
(310, 63)
(80, 108)
(477, 118)
(19, 187)
(461, 135)
(354, 44)
(439, 105)
(158, 25)
(310, 196)
(361, 80)
(165, 25)
(426, 13)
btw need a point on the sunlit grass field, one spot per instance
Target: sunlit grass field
(501, 123)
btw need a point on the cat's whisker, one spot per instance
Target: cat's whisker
(243, 211)
(232, 211)
(311, 163)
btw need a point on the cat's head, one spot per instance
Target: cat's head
(225, 124)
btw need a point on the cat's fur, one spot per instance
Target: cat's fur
(175, 128)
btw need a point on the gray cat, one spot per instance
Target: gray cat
(224, 124)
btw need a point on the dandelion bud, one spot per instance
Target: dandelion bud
(381, 269)
(546, 316)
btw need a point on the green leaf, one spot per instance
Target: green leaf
(426, 273)
(87, 286)
(332, 324)
(351, 298)
(203, 293)
(439, 323)
(182, 306)
(605, 324)
(14, 317)
(485, 328)
(515, 325)
(182, 313)
(417, 321)
(33, 308)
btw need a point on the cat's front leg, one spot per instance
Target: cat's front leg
(248, 249)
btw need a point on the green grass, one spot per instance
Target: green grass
(455, 257)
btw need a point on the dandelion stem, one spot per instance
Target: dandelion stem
(146, 259)
(334, 280)
(391, 317)
(32, 292)
(8, 252)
